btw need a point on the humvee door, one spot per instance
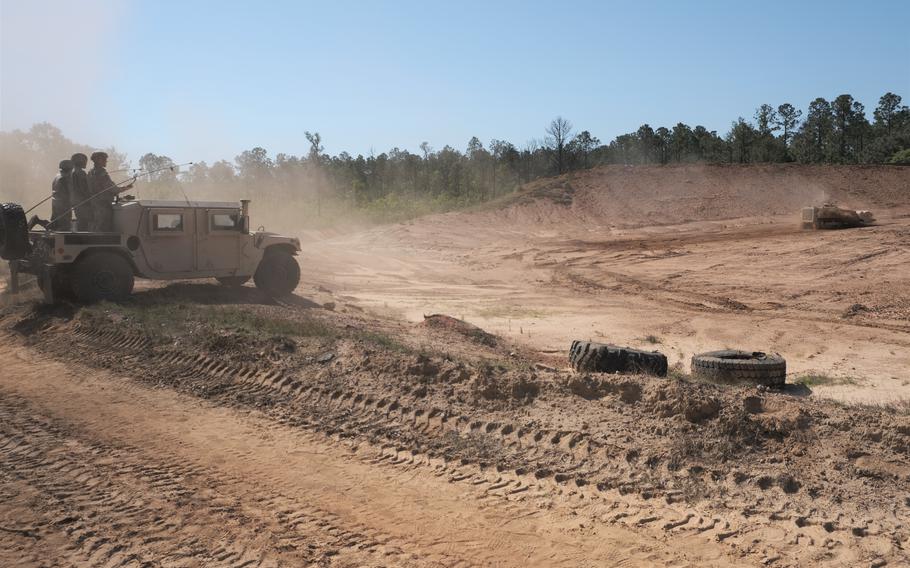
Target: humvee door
(219, 238)
(169, 242)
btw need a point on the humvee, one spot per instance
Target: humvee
(157, 240)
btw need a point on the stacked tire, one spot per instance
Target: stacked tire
(14, 243)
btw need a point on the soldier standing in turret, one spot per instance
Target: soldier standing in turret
(102, 189)
(81, 193)
(61, 191)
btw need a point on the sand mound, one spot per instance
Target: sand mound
(628, 196)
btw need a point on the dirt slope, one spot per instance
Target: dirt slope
(636, 196)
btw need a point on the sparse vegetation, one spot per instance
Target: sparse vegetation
(169, 319)
(510, 312)
(385, 341)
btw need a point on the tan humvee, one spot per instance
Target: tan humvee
(161, 240)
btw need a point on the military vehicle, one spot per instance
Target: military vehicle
(830, 216)
(157, 240)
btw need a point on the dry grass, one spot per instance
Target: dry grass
(168, 320)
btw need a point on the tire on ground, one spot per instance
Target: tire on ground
(14, 242)
(278, 273)
(102, 276)
(733, 367)
(604, 358)
(233, 281)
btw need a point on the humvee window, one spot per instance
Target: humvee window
(225, 222)
(168, 222)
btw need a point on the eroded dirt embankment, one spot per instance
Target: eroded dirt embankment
(774, 477)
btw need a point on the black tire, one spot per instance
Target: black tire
(233, 281)
(603, 358)
(732, 367)
(14, 242)
(278, 273)
(102, 276)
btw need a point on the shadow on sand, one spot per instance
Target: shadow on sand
(215, 294)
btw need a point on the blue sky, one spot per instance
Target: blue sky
(205, 80)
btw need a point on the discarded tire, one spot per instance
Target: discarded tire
(604, 358)
(732, 366)
(14, 243)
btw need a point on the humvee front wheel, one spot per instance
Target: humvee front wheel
(278, 273)
(102, 276)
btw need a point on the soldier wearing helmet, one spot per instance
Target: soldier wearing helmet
(61, 204)
(102, 190)
(80, 193)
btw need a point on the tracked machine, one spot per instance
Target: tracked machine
(156, 240)
(830, 216)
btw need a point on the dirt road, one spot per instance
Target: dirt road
(97, 470)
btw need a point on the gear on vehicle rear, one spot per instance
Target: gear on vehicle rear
(733, 366)
(14, 242)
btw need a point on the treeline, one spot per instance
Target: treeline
(398, 183)
(830, 132)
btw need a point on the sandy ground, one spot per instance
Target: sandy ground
(579, 259)
(338, 427)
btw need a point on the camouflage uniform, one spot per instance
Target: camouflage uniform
(84, 217)
(61, 190)
(99, 181)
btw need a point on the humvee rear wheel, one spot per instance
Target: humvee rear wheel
(102, 276)
(233, 281)
(278, 273)
(61, 284)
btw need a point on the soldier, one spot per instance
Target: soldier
(100, 182)
(61, 190)
(81, 194)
